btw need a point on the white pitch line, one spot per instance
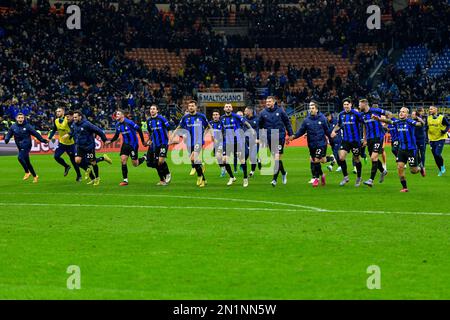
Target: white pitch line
(391, 212)
(176, 197)
(15, 204)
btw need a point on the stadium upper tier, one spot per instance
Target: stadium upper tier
(420, 56)
(319, 58)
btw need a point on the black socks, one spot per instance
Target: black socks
(95, 167)
(228, 168)
(403, 182)
(358, 166)
(124, 171)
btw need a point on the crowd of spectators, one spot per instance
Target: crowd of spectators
(44, 65)
(397, 86)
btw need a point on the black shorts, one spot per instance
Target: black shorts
(279, 148)
(395, 147)
(129, 150)
(375, 145)
(160, 151)
(354, 147)
(318, 153)
(88, 154)
(408, 156)
(154, 153)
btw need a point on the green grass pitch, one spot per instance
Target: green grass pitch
(182, 242)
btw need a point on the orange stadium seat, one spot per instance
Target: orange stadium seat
(301, 57)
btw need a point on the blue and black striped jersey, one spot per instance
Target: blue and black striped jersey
(158, 128)
(350, 122)
(374, 129)
(406, 133)
(195, 124)
(217, 129)
(231, 125)
(128, 129)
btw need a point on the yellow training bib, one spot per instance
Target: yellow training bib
(63, 128)
(435, 128)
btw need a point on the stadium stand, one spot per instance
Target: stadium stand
(441, 64)
(413, 58)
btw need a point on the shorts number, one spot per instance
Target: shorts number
(133, 153)
(163, 150)
(376, 145)
(197, 147)
(411, 159)
(355, 150)
(280, 147)
(90, 156)
(318, 152)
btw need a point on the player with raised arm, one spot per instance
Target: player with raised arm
(84, 133)
(349, 121)
(407, 152)
(22, 132)
(276, 123)
(373, 138)
(196, 124)
(317, 130)
(67, 145)
(159, 130)
(130, 144)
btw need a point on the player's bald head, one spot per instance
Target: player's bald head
(404, 112)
